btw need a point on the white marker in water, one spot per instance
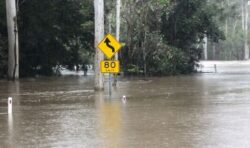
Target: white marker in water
(124, 99)
(10, 105)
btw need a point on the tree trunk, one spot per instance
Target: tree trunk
(246, 33)
(13, 53)
(226, 28)
(99, 35)
(118, 24)
(205, 47)
(226, 20)
(214, 51)
(235, 25)
(109, 22)
(243, 14)
(145, 62)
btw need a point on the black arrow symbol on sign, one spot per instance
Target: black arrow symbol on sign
(107, 41)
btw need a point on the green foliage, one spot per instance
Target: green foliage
(186, 26)
(162, 36)
(171, 61)
(231, 21)
(54, 33)
(3, 40)
(189, 22)
(3, 57)
(134, 70)
(233, 47)
(51, 33)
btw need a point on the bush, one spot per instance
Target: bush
(170, 61)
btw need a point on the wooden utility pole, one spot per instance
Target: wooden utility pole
(13, 52)
(99, 35)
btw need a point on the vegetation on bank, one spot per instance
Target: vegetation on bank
(160, 37)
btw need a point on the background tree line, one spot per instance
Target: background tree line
(233, 20)
(57, 32)
(160, 37)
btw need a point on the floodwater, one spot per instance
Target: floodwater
(209, 110)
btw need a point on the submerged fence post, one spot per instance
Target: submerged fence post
(10, 105)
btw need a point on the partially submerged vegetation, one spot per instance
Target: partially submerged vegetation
(160, 37)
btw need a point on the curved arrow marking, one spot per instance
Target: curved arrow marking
(107, 42)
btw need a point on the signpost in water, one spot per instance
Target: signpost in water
(110, 46)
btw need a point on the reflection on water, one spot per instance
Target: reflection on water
(10, 129)
(14, 90)
(210, 110)
(109, 112)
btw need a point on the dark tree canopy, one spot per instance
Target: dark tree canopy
(3, 39)
(163, 37)
(160, 37)
(54, 32)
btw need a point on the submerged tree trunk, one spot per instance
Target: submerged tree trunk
(13, 52)
(99, 34)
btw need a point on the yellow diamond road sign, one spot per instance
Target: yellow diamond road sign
(109, 46)
(110, 66)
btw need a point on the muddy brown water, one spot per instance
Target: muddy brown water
(197, 111)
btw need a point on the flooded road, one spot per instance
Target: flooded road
(198, 111)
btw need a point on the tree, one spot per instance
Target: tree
(3, 40)
(188, 24)
(141, 27)
(118, 21)
(13, 52)
(205, 47)
(231, 18)
(162, 36)
(99, 35)
(118, 25)
(58, 32)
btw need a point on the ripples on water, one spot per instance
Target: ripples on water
(203, 110)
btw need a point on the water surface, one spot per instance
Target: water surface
(197, 111)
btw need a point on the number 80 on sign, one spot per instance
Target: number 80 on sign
(110, 66)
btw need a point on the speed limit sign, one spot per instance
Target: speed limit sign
(110, 66)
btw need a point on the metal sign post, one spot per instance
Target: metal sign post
(110, 46)
(110, 91)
